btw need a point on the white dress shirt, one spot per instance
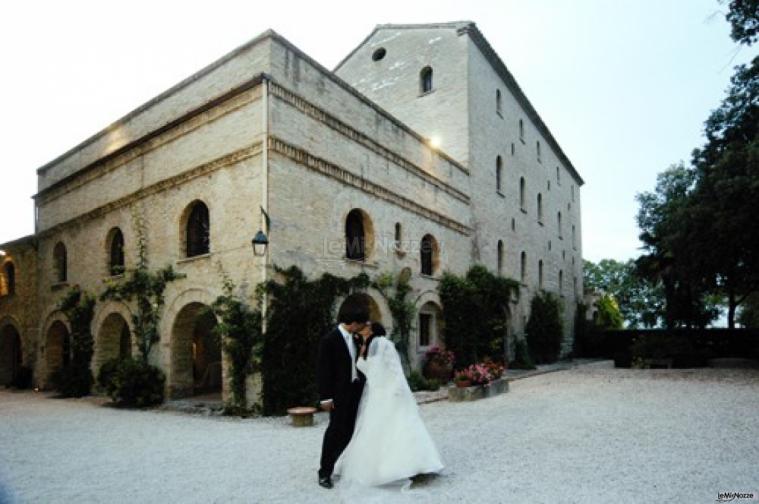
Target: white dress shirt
(348, 337)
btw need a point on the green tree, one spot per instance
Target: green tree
(743, 16)
(641, 302)
(609, 315)
(721, 216)
(660, 217)
(544, 331)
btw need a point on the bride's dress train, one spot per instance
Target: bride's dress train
(390, 442)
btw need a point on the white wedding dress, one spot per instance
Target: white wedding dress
(390, 442)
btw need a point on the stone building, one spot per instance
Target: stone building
(420, 147)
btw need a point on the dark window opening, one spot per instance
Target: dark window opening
(425, 80)
(60, 262)
(117, 253)
(355, 239)
(379, 54)
(198, 231)
(425, 325)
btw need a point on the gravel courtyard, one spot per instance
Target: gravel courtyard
(581, 435)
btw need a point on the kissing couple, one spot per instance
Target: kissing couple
(375, 433)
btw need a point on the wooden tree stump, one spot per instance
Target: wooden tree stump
(302, 416)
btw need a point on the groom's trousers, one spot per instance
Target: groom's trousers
(342, 421)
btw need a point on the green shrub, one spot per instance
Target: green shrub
(132, 382)
(107, 372)
(544, 329)
(23, 379)
(72, 381)
(522, 359)
(677, 347)
(417, 382)
(476, 314)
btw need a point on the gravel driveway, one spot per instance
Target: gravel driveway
(580, 435)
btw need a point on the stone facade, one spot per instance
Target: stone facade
(268, 131)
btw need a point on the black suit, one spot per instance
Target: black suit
(334, 376)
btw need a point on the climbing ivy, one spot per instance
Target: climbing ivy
(299, 312)
(76, 379)
(476, 314)
(395, 290)
(239, 330)
(145, 288)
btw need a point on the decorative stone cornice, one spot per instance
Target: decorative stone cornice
(199, 171)
(350, 179)
(315, 112)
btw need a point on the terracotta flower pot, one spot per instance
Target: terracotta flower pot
(463, 383)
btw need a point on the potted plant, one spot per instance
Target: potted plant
(478, 381)
(463, 379)
(439, 364)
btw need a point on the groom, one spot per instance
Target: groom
(340, 386)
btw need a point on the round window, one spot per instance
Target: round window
(379, 54)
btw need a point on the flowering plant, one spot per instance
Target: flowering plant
(437, 354)
(481, 373)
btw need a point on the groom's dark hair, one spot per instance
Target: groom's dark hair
(353, 314)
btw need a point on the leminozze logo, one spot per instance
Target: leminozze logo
(731, 496)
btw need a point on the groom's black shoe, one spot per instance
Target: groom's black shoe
(326, 482)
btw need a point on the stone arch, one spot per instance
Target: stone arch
(113, 340)
(11, 354)
(195, 358)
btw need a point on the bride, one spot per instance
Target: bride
(390, 441)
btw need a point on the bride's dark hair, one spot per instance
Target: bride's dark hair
(378, 329)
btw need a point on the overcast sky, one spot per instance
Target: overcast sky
(623, 85)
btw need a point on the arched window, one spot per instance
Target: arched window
(425, 80)
(540, 274)
(521, 130)
(561, 282)
(60, 262)
(523, 266)
(116, 262)
(521, 193)
(428, 254)
(498, 172)
(540, 208)
(574, 285)
(198, 230)
(500, 257)
(10, 278)
(558, 222)
(498, 100)
(573, 236)
(398, 235)
(355, 238)
(537, 148)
